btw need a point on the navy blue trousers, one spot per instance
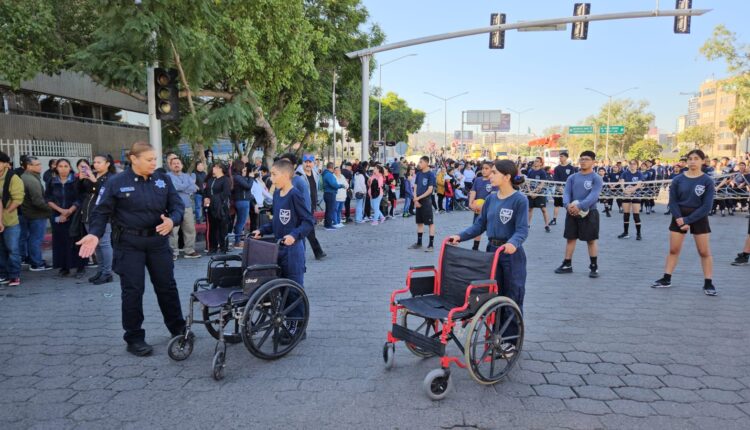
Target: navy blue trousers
(132, 256)
(510, 275)
(292, 263)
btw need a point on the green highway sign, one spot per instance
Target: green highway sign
(581, 129)
(613, 129)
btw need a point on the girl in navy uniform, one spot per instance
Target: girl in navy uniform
(143, 207)
(607, 202)
(481, 188)
(504, 219)
(649, 176)
(537, 198)
(631, 174)
(614, 178)
(691, 196)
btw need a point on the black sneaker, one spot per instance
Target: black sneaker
(661, 283)
(42, 267)
(710, 290)
(415, 246)
(638, 237)
(140, 348)
(321, 256)
(564, 268)
(741, 260)
(103, 280)
(593, 271)
(429, 249)
(553, 222)
(95, 277)
(547, 229)
(609, 214)
(624, 236)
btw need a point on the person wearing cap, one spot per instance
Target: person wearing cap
(10, 255)
(561, 173)
(305, 180)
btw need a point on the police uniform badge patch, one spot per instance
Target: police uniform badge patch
(285, 215)
(160, 183)
(699, 190)
(587, 185)
(506, 215)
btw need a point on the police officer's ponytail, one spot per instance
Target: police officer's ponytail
(507, 167)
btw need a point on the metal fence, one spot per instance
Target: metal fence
(44, 149)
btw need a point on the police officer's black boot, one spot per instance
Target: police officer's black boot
(140, 348)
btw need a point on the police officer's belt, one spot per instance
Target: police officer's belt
(497, 242)
(138, 232)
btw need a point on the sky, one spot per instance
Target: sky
(547, 71)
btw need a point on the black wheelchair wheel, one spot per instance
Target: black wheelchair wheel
(231, 328)
(423, 326)
(218, 364)
(490, 350)
(180, 347)
(271, 324)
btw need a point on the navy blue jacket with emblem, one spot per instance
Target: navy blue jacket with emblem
(505, 219)
(135, 202)
(482, 187)
(562, 173)
(694, 193)
(423, 181)
(290, 216)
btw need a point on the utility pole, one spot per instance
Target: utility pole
(445, 116)
(333, 138)
(609, 111)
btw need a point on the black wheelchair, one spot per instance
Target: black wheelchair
(459, 302)
(243, 299)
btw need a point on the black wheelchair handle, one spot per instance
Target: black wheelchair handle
(421, 267)
(228, 257)
(484, 282)
(262, 267)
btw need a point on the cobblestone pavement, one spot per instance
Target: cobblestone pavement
(604, 353)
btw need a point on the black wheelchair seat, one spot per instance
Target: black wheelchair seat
(216, 297)
(433, 307)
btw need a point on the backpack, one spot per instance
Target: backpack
(374, 188)
(6, 187)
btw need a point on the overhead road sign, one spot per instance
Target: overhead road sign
(479, 117)
(581, 129)
(613, 129)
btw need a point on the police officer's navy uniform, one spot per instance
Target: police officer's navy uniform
(135, 204)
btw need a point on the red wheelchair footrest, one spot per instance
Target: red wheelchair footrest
(418, 340)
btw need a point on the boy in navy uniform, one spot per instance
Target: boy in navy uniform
(537, 198)
(561, 173)
(292, 222)
(582, 191)
(424, 185)
(481, 188)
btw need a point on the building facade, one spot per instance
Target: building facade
(714, 106)
(71, 108)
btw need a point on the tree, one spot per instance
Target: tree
(723, 45)
(645, 149)
(398, 120)
(632, 114)
(252, 70)
(697, 136)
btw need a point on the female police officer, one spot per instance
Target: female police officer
(142, 206)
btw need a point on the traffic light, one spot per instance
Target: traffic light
(167, 94)
(580, 30)
(390, 143)
(682, 23)
(497, 38)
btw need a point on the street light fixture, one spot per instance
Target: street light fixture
(609, 109)
(518, 132)
(445, 106)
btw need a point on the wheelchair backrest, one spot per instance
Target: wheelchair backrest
(459, 267)
(259, 252)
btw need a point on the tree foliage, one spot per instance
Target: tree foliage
(644, 149)
(723, 44)
(697, 136)
(630, 113)
(397, 120)
(258, 70)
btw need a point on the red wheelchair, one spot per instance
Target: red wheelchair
(458, 301)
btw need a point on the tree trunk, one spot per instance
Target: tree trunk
(271, 141)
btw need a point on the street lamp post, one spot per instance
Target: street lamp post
(609, 111)
(445, 117)
(380, 86)
(518, 128)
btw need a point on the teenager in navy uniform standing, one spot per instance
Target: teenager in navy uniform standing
(504, 218)
(423, 188)
(481, 188)
(143, 207)
(614, 178)
(535, 199)
(582, 191)
(691, 196)
(561, 173)
(630, 204)
(607, 202)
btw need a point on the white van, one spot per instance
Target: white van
(552, 156)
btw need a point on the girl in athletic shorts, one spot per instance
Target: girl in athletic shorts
(691, 196)
(631, 203)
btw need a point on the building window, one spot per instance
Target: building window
(709, 102)
(709, 91)
(722, 123)
(728, 147)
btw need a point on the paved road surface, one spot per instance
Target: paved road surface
(604, 353)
